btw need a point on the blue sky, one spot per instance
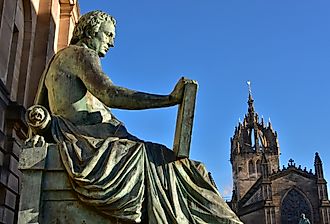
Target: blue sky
(283, 47)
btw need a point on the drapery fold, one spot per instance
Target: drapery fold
(135, 181)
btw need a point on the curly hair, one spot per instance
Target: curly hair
(89, 24)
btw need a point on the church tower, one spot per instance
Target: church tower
(253, 143)
(265, 192)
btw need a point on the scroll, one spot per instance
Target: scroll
(184, 122)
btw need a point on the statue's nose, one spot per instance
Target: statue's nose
(111, 44)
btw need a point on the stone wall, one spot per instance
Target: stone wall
(243, 180)
(242, 177)
(257, 216)
(304, 184)
(31, 31)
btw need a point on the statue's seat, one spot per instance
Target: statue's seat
(46, 193)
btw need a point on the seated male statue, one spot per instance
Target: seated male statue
(123, 177)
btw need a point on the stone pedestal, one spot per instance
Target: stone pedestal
(46, 193)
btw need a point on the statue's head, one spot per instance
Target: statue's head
(302, 216)
(96, 30)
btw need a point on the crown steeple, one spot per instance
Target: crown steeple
(254, 150)
(252, 135)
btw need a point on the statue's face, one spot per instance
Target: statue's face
(104, 38)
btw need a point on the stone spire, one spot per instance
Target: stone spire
(250, 100)
(318, 166)
(322, 190)
(321, 182)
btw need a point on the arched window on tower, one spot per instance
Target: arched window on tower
(251, 168)
(258, 164)
(253, 142)
(262, 140)
(293, 205)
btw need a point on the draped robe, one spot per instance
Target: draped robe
(124, 177)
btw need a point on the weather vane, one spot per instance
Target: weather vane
(249, 84)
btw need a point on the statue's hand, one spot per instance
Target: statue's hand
(35, 141)
(177, 94)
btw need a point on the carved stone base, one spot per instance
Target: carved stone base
(46, 194)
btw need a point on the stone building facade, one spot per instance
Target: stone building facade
(262, 191)
(31, 32)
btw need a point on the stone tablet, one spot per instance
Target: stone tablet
(184, 122)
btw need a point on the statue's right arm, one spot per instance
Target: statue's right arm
(100, 85)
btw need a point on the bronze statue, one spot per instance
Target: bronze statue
(303, 219)
(120, 175)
